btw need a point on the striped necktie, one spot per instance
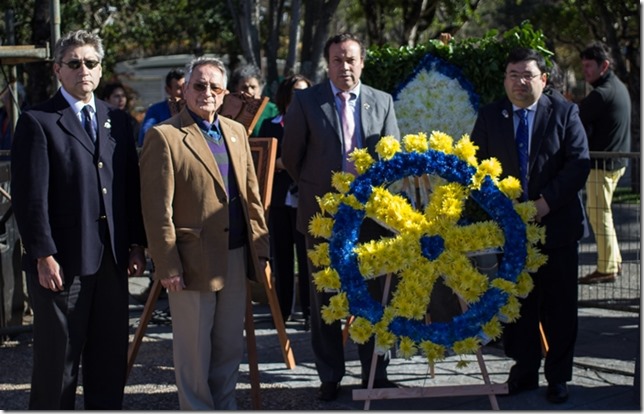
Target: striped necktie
(350, 139)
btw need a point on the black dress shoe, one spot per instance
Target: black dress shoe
(517, 386)
(380, 383)
(557, 392)
(329, 391)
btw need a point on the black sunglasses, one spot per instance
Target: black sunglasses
(75, 64)
(201, 87)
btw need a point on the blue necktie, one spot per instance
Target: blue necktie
(522, 138)
(214, 134)
(87, 123)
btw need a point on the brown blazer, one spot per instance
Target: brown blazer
(185, 205)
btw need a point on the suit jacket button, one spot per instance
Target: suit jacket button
(104, 190)
(225, 229)
(100, 164)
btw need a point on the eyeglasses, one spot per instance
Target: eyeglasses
(75, 64)
(527, 77)
(202, 87)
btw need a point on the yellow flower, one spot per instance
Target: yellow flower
(360, 330)
(535, 259)
(338, 307)
(329, 202)
(511, 309)
(353, 202)
(440, 141)
(361, 159)
(417, 143)
(526, 210)
(493, 328)
(341, 181)
(511, 187)
(387, 147)
(525, 284)
(466, 150)
(467, 346)
(319, 255)
(320, 226)
(326, 278)
(407, 348)
(433, 352)
(491, 167)
(504, 285)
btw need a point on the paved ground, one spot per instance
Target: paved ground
(607, 352)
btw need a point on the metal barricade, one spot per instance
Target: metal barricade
(625, 292)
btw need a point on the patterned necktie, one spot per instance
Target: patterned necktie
(522, 138)
(87, 123)
(348, 130)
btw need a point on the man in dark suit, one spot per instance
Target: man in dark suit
(557, 166)
(75, 193)
(316, 143)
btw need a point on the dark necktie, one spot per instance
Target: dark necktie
(87, 123)
(522, 138)
(348, 130)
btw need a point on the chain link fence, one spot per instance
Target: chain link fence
(625, 292)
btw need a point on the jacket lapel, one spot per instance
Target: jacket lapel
(105, 139)
(70, 123)
(541, 119)
(196, 143)
(326, 102)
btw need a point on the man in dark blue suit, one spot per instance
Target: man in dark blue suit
(75, 193)
(555, 172)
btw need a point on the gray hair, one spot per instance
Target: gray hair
(78, 38)
(200, 61)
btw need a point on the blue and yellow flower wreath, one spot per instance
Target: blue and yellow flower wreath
(427, 245)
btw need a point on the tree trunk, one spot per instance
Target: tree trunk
(294, 37)
(316, 31)
(275, 13)
(40, 85)
(245, 19)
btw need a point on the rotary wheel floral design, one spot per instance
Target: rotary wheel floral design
(436, 242)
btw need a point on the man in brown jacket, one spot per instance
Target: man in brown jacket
(205, 220)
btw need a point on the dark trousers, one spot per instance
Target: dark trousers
(327, 339)
(88, 322)
(553, 302)
(284, 237)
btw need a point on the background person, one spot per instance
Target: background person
(606, 115)
(115, 95)
(248, 80)
(205, 222)
(163, 110)
(558, 164)
(313, 147)
(285, 238)
(75, 194)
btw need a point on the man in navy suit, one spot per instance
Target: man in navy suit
(313, 147)
(75, 193)
(557, 166)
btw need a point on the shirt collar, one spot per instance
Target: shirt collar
(355, 91)
(530, 108)
(77, 104)
(203, 124)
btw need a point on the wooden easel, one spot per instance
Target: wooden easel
(488, 388)
(264, 150)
